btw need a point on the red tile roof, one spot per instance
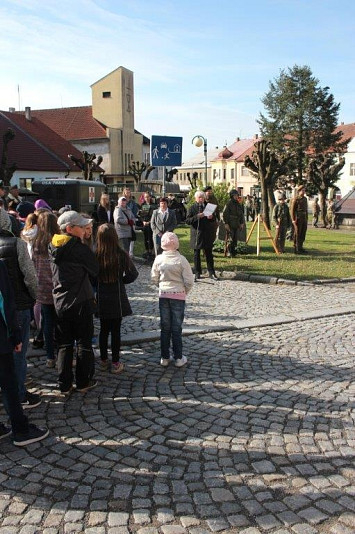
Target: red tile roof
(71, 123)
(237, 149)
(347, 129)
(36, 147)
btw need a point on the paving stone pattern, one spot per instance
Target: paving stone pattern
(255, 435)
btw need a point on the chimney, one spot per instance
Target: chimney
(256, 136)
(12, 110)
(28, 113)
(238, 139)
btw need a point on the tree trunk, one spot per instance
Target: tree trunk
(323, 206)
(265, 203)
(271, 201)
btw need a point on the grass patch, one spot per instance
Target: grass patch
(331, 254)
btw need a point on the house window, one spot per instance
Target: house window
(224, 174)
(232, 175)
(352, 169)
(245, 171)
(26, 182)
(106, 94)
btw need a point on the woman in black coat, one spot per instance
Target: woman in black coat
(115, 270)
(202, 235)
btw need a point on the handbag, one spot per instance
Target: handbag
(134, 235)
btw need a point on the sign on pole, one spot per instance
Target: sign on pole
(166, 151)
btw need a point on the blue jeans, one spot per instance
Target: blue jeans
(20, 362)
(9, 389)
(49, 319)
(171, 319)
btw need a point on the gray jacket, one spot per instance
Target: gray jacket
(120, 218)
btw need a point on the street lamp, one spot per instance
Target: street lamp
(198, 141)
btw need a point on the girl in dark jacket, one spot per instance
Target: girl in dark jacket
(115, 270)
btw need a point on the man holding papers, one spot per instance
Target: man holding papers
(201, 217)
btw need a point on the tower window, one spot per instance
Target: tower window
(106, 94)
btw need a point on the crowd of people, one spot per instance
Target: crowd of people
(58, 269)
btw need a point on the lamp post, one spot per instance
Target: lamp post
(198, 141)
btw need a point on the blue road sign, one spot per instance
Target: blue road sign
(166, 151)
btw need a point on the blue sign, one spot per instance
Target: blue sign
(166, 151)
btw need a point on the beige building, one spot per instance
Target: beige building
(223, 166)
(105, 128)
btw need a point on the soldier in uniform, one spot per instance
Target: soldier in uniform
(299, 216)
(331, 214)
(282, 220)
(233, 218)
(316, 212)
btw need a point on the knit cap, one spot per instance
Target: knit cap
(169, 241)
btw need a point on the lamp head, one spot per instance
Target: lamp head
(197, 141)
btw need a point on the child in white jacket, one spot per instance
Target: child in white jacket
(172, 273)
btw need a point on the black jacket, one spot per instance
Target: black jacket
(72, 264)
(10, 332)
(112, 300)
(203, 231)
(8, 253)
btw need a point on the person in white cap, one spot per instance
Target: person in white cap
(172, 273)
(72, 264)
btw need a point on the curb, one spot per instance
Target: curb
(260, 322)
(262, 279)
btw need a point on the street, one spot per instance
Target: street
(255, 435)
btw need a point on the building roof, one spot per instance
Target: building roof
(237, 150)
(71, 123)
(346, 205)
(199, 159)
(35, 146)
(347, 129)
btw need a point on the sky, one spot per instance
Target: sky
(200, 67)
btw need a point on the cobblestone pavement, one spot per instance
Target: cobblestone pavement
(255, 435)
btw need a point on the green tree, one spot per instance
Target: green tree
(300, 118)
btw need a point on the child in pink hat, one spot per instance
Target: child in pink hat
(172, 273)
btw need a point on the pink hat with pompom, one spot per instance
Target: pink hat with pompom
(169, 241)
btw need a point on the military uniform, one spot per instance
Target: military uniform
(281, 218)
(233, 216)
(299, 216)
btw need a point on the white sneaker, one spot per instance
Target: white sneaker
(164, 362)
(180, 362)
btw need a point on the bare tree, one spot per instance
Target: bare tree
(7, 171)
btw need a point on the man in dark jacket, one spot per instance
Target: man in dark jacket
(24, 283)
(202, 235)
(72, 265)
(233, 218)
(145, 214)
(23, 433)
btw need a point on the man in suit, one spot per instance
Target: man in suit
(163, 220)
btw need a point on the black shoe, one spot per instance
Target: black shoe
(38, 344)
(197, 276)
(33, 435)
(31, 401)
(91, 384)
(213, 277)
(4, 431)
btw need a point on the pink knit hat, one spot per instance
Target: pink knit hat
(169, 241)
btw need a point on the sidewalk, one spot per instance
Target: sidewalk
(255, 435)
